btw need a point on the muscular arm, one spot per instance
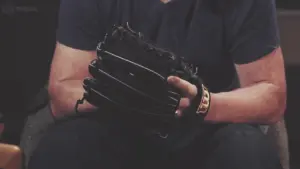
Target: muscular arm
(77, 37)
(261, 98)
(69, 68)
(259, 63)
(255, 50)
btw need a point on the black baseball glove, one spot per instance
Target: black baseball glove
(131, 74)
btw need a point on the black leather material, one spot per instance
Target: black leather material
(132, 74)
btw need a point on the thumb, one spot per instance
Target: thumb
(187, 89)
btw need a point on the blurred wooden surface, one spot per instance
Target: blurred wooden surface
(10, 157)
(289, 24)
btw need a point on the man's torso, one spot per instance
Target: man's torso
(209, 38)
(190, 29)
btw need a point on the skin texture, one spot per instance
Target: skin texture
(165, 1)
(69, 68)
(261, 98)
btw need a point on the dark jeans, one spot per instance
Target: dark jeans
(35, 127)
(87, 143)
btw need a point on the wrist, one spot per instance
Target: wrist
(205, 101)
(202, 101)
(211, 115)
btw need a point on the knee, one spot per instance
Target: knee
(67, 145)
(242, 136)
(240, 131)
(245, 145)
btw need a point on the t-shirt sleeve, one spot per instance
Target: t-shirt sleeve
(257, 34)
(80, 24)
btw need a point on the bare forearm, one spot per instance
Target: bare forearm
(261, 103)
(65, 96)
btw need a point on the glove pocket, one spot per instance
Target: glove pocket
(136, 76)
(105, 88)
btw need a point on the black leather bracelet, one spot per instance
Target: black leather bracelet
(201, 102)
(204, 104)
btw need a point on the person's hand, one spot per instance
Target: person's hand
(188, 90)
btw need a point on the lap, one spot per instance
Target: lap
(87, 143)
(232, 146)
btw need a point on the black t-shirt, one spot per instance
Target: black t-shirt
(190, 28)
(212, 39)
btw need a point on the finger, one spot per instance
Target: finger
(183, 104)
(184, 86)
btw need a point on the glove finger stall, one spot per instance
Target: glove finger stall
(136, 81)
(99, 93)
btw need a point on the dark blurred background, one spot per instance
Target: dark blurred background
(289, 23)
(27, 40)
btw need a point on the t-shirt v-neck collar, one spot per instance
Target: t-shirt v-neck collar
(165, 2)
